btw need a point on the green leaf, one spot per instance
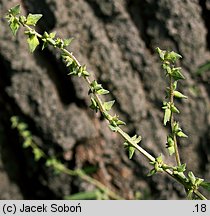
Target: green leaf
(174, 85)
(178, 94)
(131, 151)
(205, 185)
(167, 116)
(27, 143)
(38, 154)
(33, 42)
(181, 134)
(161, 53)
(191, 177)
(108, 105)
(152, 172)
(14, 26)
(102, 91)
(22, 126)
(15, 10)
(94, 104)
(32, 19)
(176, 73)
(113, 128)
(68, 41)
(120, 122)
(172, 56)
(174, 109)
(171, 150)
(26, 134)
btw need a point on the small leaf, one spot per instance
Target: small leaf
(205, 185)
(181, 134)
(152, 172)
(131, 151)
(32, 19)
(113, 128)
(167, 116)
(102, 91)
(179, 95)
(33, 42)
(172, 56)
(171, 150)
(14, 26)
(191, 177)
(108, 105)
(26, 134)
(174, 85)
(94, 104)
(68, 41)
(174, 109)
(38, 154)
(27, 143)
(22, 126)
(119, 122)
(176, 73)
(161, 53)
(15, 10)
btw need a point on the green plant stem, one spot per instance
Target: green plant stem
(178, 161)
(121, 132)
(92, 181)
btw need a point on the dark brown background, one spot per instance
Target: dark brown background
(116, 40)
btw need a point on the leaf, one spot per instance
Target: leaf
(14, 26)
(172, 56)
(171, 150)
(33, 42)
(181, 134)
(27, 143)
(178, 94)
(26, 134)
(113, 128)
(38, 154)
(161, 53)
(176, 73)
(205, 185)
(32, 19)
(108, 105)
(94, 104)
(152, 172)
(102, 91)
(191, 177)
(15, 10)
(174, 109)
(167, 116)
(68, 41)
(119, 122)
(131, 151)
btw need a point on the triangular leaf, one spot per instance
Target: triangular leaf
(14, 26)
(181, 134)
(176, 73)
(108, 105)
(167, 116)
(15, 10)
(131, 151)
(33, 42)
(102, 91)
(32, 19)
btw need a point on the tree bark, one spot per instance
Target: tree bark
(117, 41)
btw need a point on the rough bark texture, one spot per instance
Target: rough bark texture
(116, 40)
